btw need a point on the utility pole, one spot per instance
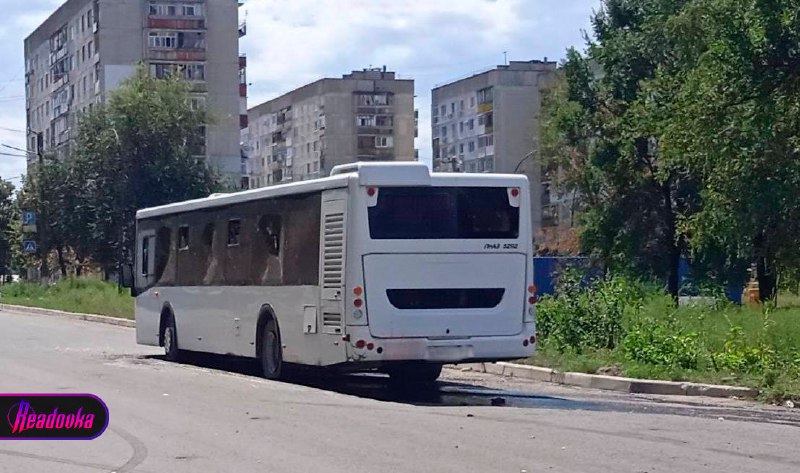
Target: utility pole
(44, 270)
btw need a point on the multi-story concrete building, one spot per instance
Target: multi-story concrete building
(488, 122)
(86, 48)
(364, 116)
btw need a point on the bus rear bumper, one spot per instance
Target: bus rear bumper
(440, 350)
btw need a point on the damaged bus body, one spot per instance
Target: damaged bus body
(381, 266)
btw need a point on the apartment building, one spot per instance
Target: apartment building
(488, 122)
(86, 48)
(364, 116)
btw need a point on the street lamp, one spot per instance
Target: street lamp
(525, 158)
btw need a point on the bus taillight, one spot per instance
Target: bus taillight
(513, 196)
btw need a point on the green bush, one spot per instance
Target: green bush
(742, 356)
(587, 315)
(662, 343)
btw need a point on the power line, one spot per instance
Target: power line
(13, 78)
(15, 130)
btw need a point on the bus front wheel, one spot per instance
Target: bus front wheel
(414, 374)
(170, 339)
(271, 352)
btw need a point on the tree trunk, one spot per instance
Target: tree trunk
(674, 250)
(62, 262)
(766, 275)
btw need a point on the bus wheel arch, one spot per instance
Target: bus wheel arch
(269, 348)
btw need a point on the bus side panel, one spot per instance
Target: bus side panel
(224, 320)
(148, 316)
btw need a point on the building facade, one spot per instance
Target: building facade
(489, 123)
(86, 48)
(364, 116)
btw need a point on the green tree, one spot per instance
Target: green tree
(602, 127)
(136, 151)
(8, 214)
(735, 124)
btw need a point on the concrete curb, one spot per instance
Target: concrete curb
(70, 315)
(611, 383)
(511, 370)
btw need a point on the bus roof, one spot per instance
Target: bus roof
(384, 173)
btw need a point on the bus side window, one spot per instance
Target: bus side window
(183, 237)
(211, 263)
(145, 256)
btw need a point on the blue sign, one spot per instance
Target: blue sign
(28, 218)
(29, 246)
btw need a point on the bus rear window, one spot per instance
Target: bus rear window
(418, 213)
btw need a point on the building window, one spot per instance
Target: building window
(471, 124)
(485, 95)
(234, 231)
(461, 148)
(444, 110)
(190, 72)
(365, 120)
(461, 127)
(471, 146)
(384, 120)
(471, 101)
(489, 165)
(366, 142)
(461, 106)
(384, 142)
(444, 131)
(163, 39)
(373, 99)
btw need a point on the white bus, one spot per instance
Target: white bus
(380, 266)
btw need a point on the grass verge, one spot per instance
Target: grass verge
(83, 295)
(731, 345)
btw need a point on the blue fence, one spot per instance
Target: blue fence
(546, 270)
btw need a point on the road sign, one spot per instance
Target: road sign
(28, 218)
(29, 246)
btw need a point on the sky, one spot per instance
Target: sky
(290, 43)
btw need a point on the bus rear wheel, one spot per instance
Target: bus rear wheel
(414, 374)
(271, 352)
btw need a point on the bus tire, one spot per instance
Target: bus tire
(271, 351)
(169, 339)
(414, 374)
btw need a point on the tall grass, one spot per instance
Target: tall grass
(721, 343)
(84, 295)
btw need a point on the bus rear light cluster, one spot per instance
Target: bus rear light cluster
(525, 342)
(361, 344)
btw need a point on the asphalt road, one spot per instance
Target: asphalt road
(216, 415)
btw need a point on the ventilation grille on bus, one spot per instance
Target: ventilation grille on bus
(333, 253)
(332, 320)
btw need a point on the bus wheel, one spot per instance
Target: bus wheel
(415, 374)
(271, 352)
(170, 339)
